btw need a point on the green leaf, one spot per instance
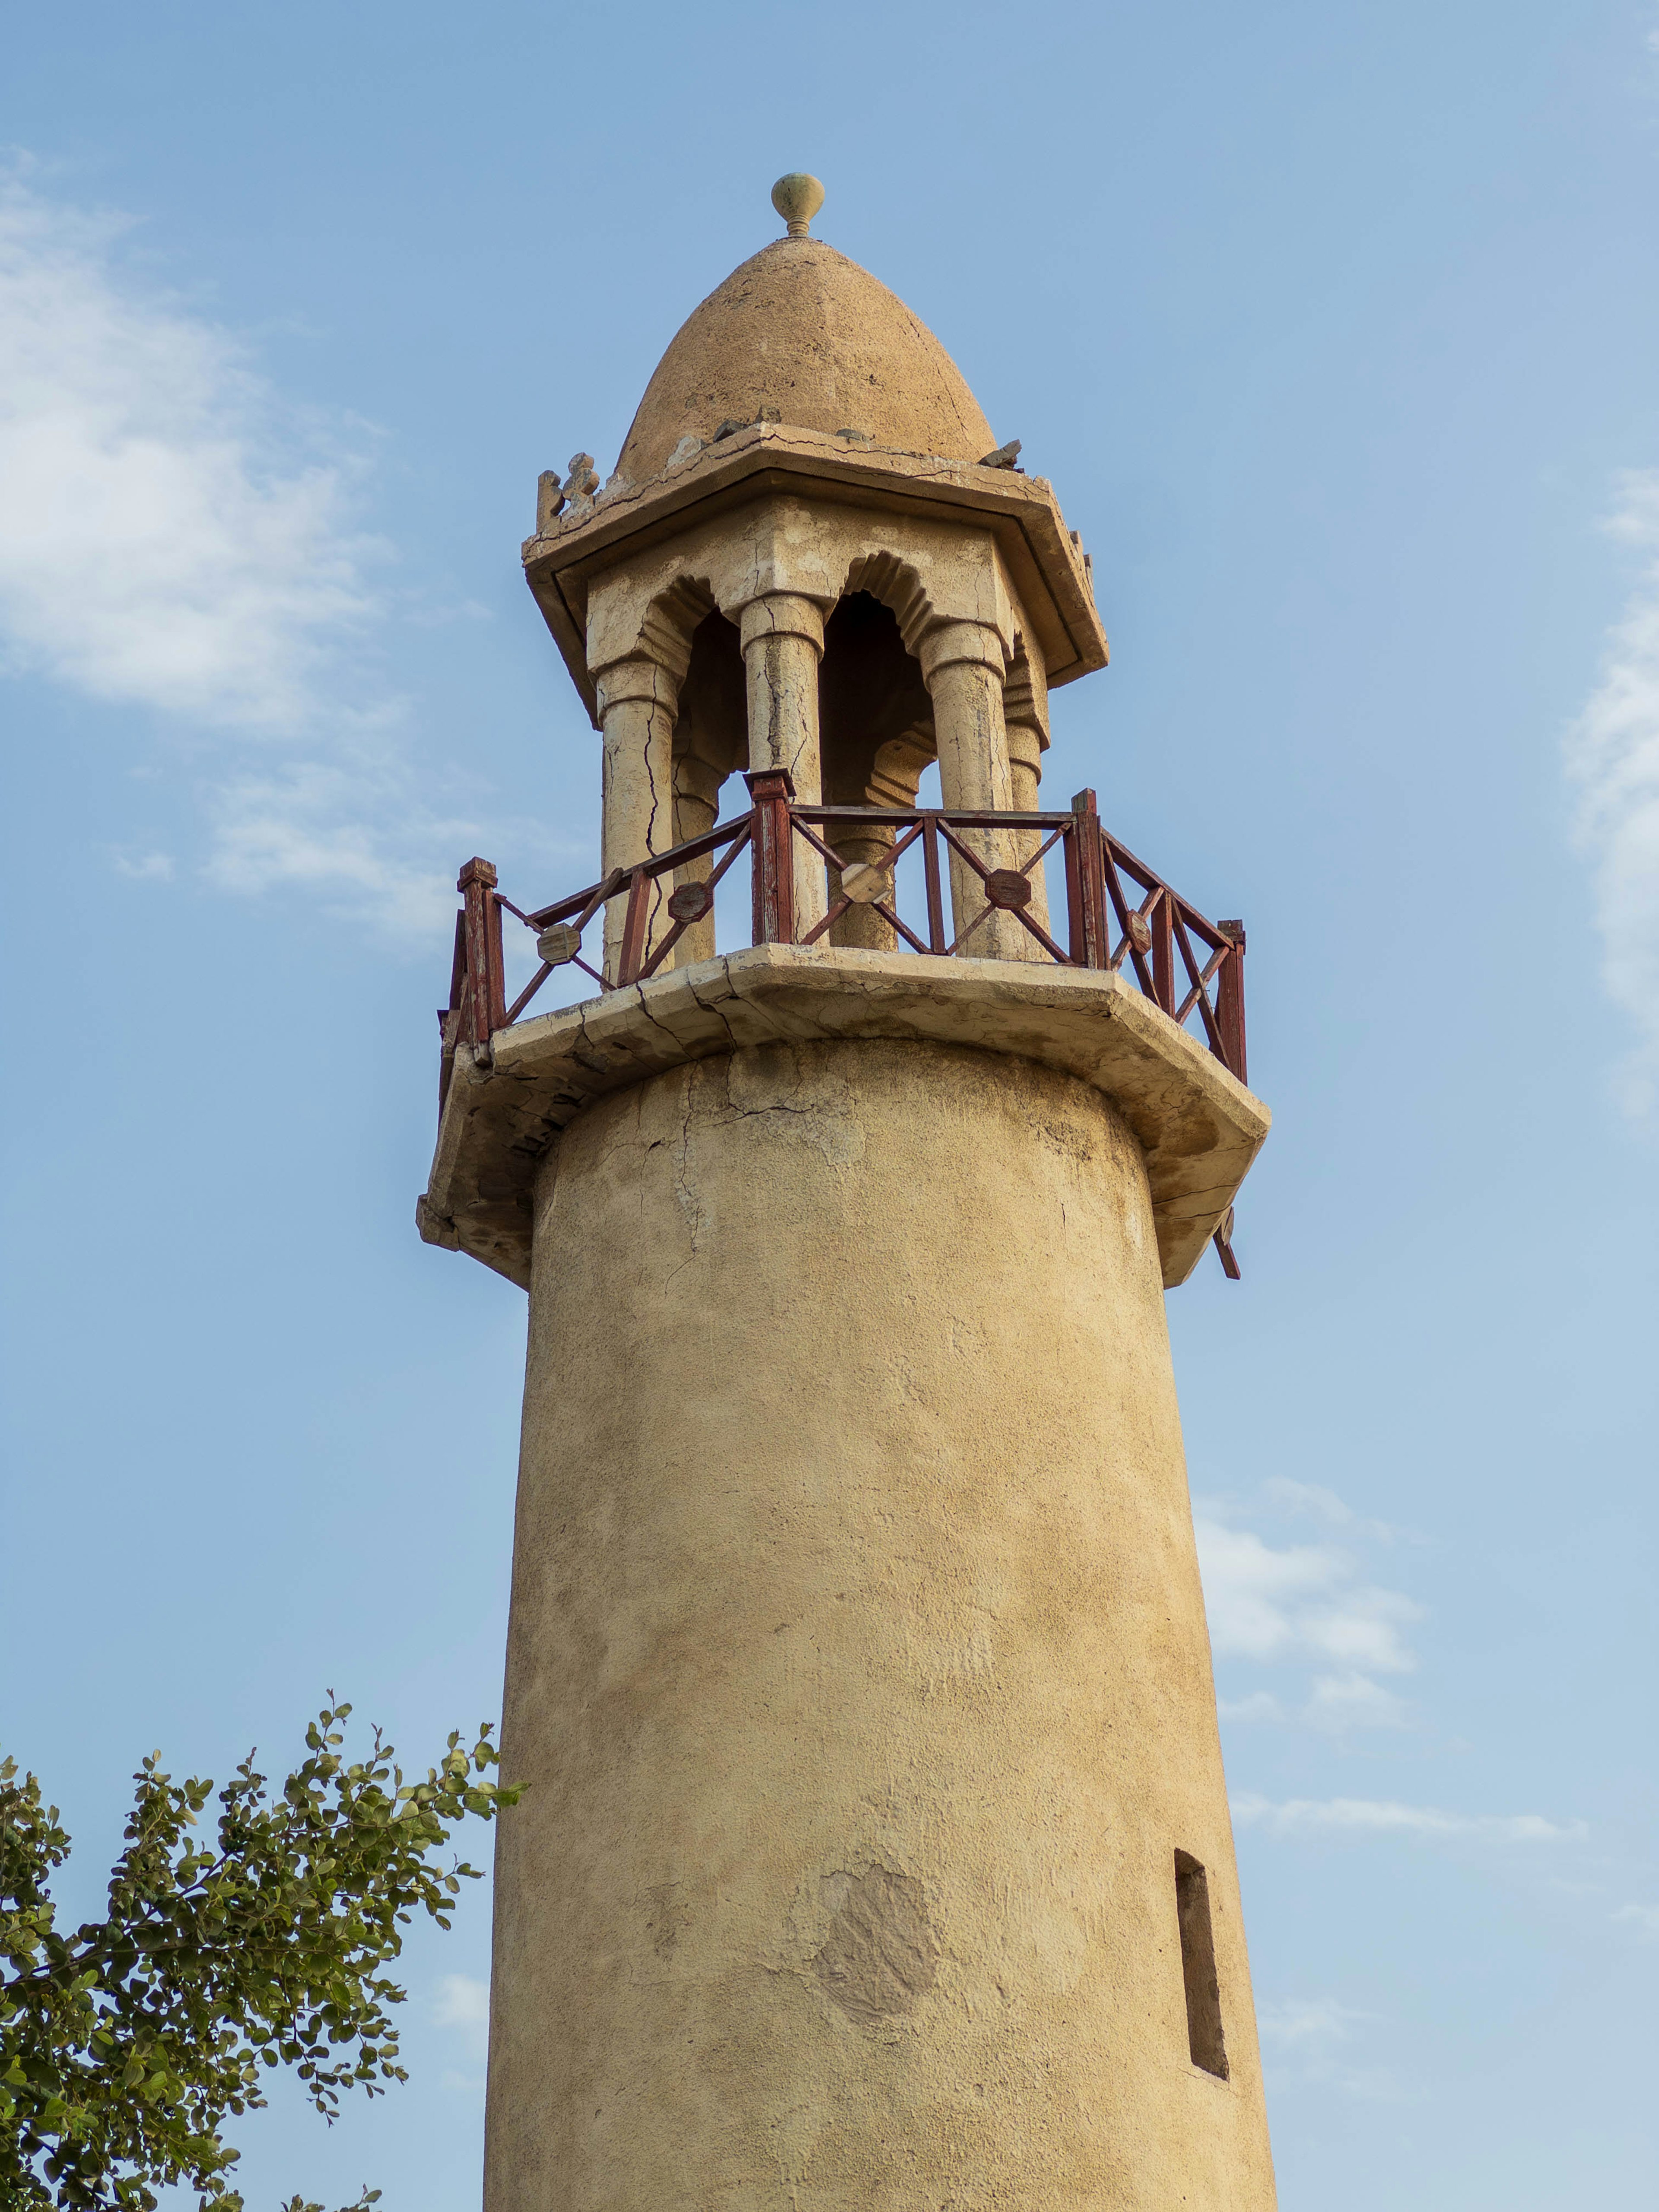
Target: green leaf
(218, 1958)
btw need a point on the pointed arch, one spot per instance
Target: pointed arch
(899, 587)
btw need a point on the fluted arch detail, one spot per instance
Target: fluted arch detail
(897, 772)
(1025, 693)
(669, 621)
(899, 587)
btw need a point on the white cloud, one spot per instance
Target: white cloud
(1336, 1704)
(1644, 1917)
(1303, 1605)
(308, 826)
(1313, 1501)
(1358, 1816)
(1307, 2023)
(176, 538)
(1613, 756)
(463, 2003)
(145, 867)
(1255, 1594)
(162, 544)
(1305, 2039)
(1340, 1702)
(1260, 1705)
(1267, 1604)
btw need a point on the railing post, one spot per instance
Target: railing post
(1162, 918)
(771, 790)
(1085, 885)
(631, 958)
(483, 1009)
(1230, 999)
(937, 939)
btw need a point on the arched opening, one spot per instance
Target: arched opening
(875, 727)
(711, 740)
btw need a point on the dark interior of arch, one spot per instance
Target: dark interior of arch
(711, 729)
(870, 691)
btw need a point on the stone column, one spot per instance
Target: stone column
(637, 701)
(697, 809)
(1026, 711)
(782, 646)
(961, 663)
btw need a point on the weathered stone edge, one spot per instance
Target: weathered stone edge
(1199, 1128)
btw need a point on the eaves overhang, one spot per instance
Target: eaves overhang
(1046, 564)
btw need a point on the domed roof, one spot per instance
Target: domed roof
(800, 328)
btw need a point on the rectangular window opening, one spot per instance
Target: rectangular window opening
(1204, 2037)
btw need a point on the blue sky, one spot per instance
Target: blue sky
(1335, 329)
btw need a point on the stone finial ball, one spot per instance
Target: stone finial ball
(797, 198)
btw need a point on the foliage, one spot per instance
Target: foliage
(124, 2046)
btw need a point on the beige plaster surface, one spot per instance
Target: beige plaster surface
(858, 1672)
(1199, 1128)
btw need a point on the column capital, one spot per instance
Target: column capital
(782, 614)
(636, 676)
(953, 642)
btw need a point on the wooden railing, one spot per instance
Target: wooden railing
(1120, 913)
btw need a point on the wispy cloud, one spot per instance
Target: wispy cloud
(1307, 2023)
(463, 2005)
(312, 825)
(1306, 2040)
(145, 867)
(1304, 1604)
(1313, 1501)
(1371, 1816)
(163, 544)
(176, 538)
(1644, 1917)
(1612, 756)
(1265, 1603)
(1337, 1702)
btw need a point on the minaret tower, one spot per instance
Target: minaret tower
(874, 1853)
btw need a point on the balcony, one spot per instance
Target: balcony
(941, 885)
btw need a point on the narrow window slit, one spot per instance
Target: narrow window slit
(1204, 2037)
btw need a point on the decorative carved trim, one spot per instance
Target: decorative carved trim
(1025, 696)
(897, 769)
(669, 620)
(898, 586)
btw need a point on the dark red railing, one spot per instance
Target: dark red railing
(1119, 913)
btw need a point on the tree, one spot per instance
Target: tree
(124, 2046)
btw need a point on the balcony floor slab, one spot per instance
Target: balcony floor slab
(1199, 1127)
